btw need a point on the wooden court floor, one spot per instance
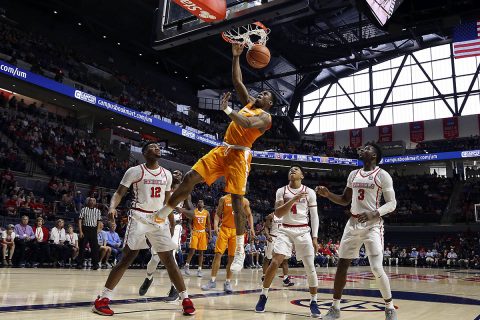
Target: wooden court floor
(419, 294)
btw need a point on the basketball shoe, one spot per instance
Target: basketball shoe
(314, 310)
(262, 301)
(144, 287)
(332, 314)
(227, 287)
(101, 307)
(188, 308)
(287, 282)
(172, 295)
(209, 285)
(390, 314)
(238, 260)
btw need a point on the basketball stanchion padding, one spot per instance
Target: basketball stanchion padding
(206, 10)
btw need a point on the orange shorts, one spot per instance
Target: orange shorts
(226, 238)
(199, 240)
(233, 164)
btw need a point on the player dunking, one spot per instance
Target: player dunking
(295, 203)
(364, 190)
(232, 159)
(151, 187)
(226, 237)
(177, 234)
(199, 239)
(272, 224)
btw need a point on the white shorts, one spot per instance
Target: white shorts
(158, 235)
(289, 237)
(354, 236)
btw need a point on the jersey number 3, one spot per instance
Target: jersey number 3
(155, 192)
(361, 194)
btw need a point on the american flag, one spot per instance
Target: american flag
(466, 40)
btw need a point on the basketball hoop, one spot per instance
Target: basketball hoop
(249, 35)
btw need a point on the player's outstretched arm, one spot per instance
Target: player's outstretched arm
(343, 199)
(237, 79)
(262, 121)
(248, 213)
(115, 201)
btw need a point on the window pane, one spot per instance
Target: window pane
(402, 113)
(405, 76)
(472, 106)
(445, 86)
(329, 104)
(328, 123)
(314, 126)
(465, 66)
(423, 55)
(333, 91)
(346, 121)
(309, 106)
(427, 66)
(402, 93)
(381, 66)
(441, 110)
(314, 95)
(422, 90)
(379, 96)
(386, 117)
(359, 121)
(424, 111)
(463, 83)
(347, 84)
(417, 74)
(343, 103)
(382, 79)
(362, 99)
(441, 69)
(440, 52)
(361, 82)
(296, 123)
(397, 61)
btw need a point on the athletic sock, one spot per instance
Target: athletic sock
(149, 276)
(183, 294)
(106, 293)
(389, 305)
(336, 303)
(187, 265)
(240, 244)
(313, 297)
(214, 278)
(199, 268)
(265, 291)
(227, 280)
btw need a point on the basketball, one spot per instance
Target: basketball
(258, 56)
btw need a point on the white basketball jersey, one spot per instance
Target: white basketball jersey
(149, 187)
(276, 223)
(367, 189)
(299, 214)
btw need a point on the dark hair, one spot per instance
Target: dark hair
(274, 98)
(378, 150)
(299, 167)
(145, 146)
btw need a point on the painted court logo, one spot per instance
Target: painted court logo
(347, 305)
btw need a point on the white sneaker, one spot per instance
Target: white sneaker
(238, 260)
(186, 269)
(199, 273)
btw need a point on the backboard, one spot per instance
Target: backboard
(175, 26)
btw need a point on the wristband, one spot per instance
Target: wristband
(228, 110)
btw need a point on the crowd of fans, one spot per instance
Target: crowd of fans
(444, 145)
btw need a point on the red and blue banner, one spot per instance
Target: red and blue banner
(385, 133)
(450, 128)
(356, 138)
(417, 131)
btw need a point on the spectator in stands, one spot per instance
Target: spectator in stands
(105, 250)
(114, 241)
(387, 254)
(403, 257)
(452, 258)
(24, 239)
(413, 257)
(7, 179)
(72, 242)
(79, 201)
(67, 204)
(8, 245)
(39, 208)
(58, 246)
(421, 257)
(12, 205)
(429, 258)
(41, 248)
(253, 255)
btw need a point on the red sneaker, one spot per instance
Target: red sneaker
(101, 307)
(188, 308)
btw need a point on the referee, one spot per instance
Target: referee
(87, 227)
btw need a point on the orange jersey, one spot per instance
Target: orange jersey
(240, 136)
(228, 219)
(200, 220)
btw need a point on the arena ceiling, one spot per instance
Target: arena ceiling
(329, 40)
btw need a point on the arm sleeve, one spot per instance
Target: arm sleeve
(169, 180)
(312, 206)
(386, 183)
(279, 195)
(130, 176)
(350, 178)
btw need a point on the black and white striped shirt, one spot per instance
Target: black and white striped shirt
(90, 216)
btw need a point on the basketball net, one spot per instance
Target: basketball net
(252, 34)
